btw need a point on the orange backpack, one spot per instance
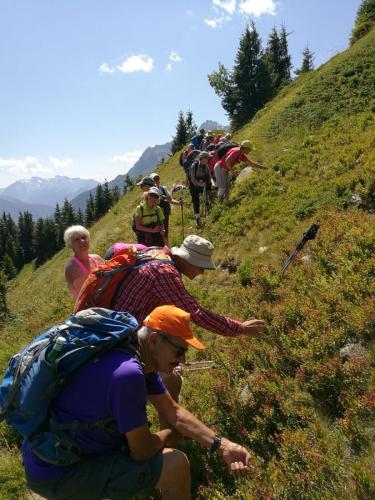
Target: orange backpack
(100, 286)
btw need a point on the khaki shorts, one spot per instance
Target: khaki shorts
(113, 475)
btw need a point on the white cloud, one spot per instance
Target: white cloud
(127, 159)
(227, 5)
(132, 64)
(104, 68)
(217, 22)
(168, 67)
(29, 165)
(58, 163)
(142, 62)
(258, 7)
(175, 57)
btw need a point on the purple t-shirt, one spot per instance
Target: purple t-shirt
(114, 385)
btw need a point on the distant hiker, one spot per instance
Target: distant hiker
(217, 138)
(197, 139)
(185, 153)
(211, 165)
(208, 139)
(165, 203)
(149, 219)
(232, 157)
(193, 154)
(79, 266)
(160, 283)
(122, 457)
(199, 182)
(145, 183)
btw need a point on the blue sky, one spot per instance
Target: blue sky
(87, 85)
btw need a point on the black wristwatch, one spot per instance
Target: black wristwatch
(216, 442)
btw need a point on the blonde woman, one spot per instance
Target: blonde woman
(79, 266)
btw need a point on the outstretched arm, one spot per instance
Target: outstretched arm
(187, 425)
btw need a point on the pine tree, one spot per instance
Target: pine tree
(8, 267)
(25, 231)
(365, 20)
(181, 137)
(44, 240)
(190, 125)
(90, 211)
(128, 184)
(4, 311)
(286, 60)
(116, 195)
(278, 59)
(99, 202)
(39, 242)
(248, 87)
(307, 62)
(251, 78)
(107, 197)
(80, 218)
(60, 227)
(68, 215)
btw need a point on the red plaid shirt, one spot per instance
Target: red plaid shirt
(160, 283)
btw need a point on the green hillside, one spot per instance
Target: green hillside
(302, 399)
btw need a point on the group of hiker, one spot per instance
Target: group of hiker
(207, 163)
(93, 440)
(99, 414)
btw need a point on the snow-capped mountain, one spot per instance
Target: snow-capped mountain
(47, 191)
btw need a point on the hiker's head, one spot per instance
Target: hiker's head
(155, 177)
(202, 131)
(167, 336)
(77, 238)
(193, 256)
(152, 196)
(204, 157)
(246, 146)
(145, 183)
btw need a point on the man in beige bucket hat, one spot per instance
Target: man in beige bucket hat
(160, 283)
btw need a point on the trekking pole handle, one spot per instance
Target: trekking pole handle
(310, 234)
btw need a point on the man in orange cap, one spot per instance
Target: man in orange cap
(124, 458)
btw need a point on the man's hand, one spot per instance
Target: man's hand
(235, 456)
(253, 328)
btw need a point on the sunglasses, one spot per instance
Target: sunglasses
(180, 351)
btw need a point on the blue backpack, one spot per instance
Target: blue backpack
(31, 383)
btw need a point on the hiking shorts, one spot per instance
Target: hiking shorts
(113, 475)
(222, 180)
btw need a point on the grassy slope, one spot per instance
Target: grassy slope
(304, 412)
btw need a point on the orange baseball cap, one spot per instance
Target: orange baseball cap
(173, 321)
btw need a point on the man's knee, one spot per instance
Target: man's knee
(176, 469)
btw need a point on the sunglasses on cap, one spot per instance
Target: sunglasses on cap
(180, 351)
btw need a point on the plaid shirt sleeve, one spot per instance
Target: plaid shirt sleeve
(171, 290)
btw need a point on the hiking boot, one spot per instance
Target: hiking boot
(199, 224)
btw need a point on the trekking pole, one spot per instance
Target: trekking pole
(204, 201)
(178, 186)
(309, 235)
(182, 217)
